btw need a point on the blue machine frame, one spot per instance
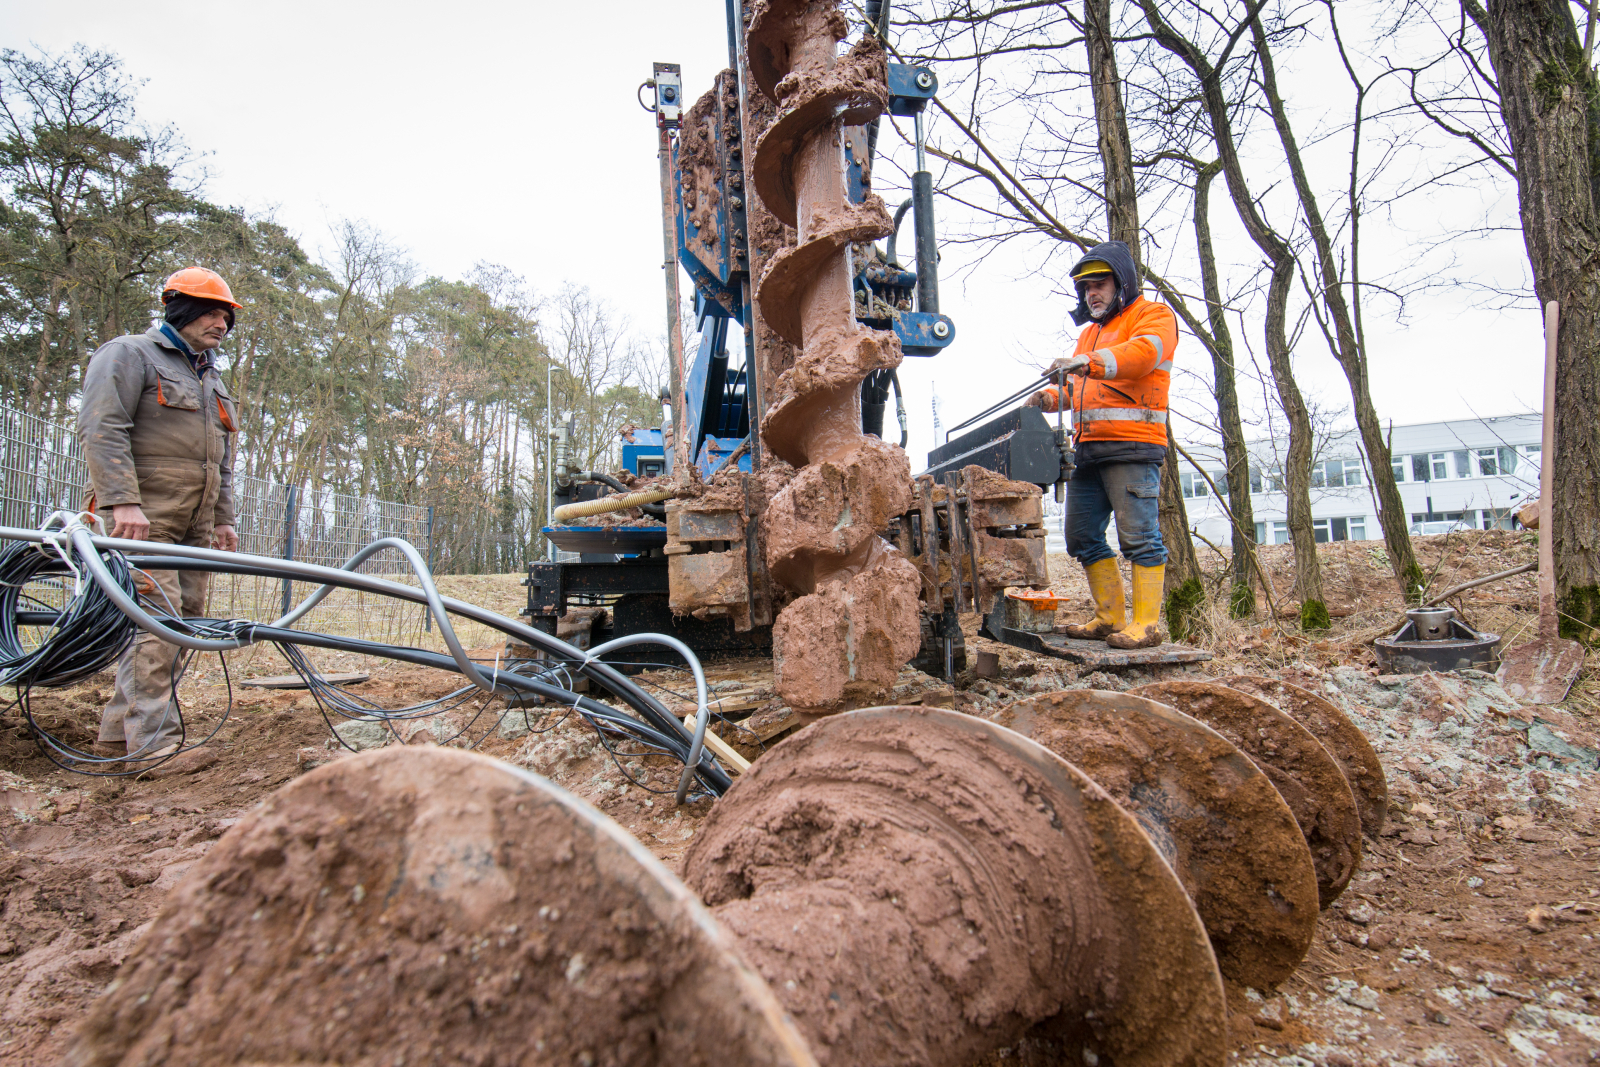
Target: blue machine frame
(714, 253)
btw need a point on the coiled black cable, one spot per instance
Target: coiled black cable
(84, 638)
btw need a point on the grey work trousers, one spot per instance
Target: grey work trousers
(144, 710)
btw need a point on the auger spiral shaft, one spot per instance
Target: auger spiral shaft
(855, 622)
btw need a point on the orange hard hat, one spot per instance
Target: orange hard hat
(197, 281)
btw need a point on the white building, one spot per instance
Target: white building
(1474, 471)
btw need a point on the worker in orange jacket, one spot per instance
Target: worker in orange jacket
(1122, 367)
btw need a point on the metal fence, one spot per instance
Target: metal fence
(42, 470)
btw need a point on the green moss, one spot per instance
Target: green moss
(1241, 602)
(1580, 614)
(1314, 616)
(1183, 608)
(1416, 583)
(1569, 70)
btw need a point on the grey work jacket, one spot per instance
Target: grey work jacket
(154, 431)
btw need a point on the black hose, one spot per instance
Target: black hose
(894, 235)
(658, 511)
(878, 20)
(597, 671)
(899, 407)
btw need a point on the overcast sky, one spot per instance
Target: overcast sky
(509, 133)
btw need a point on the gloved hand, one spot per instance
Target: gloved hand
(1070, 364)
(1044, 399)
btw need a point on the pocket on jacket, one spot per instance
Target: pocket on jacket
(228, 411)
(174, 392)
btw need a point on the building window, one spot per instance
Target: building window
(1496, 461)
(1255, 487)
(1221, 478)
(1280, 533)
(1496, 518)
(1463, 464)
(1399, 465)
(1193, 486)
(1358, 528)
(1433, 467)
(1336, 473)
(1261, 533)
(1319, 531)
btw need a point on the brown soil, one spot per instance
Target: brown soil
(1466, 935)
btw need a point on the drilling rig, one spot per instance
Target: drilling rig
(1071, 882)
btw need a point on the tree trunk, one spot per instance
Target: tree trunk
(1111, 124)
(1281, 259)
(1550, 101)
(1122, 223)
(1241, 600)
(1346, 344)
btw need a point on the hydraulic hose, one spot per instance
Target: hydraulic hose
(567, 512)
(899, 407)
(183, 557)
(894, 236)
(653, 510)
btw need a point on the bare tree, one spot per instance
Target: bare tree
(1550, 99)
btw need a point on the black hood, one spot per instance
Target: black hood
(1120, 259)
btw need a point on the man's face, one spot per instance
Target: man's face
(206, 332)
(1097, 293)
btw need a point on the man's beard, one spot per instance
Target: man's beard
(1097, 313)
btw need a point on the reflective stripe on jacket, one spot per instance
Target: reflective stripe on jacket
(146, 410)
(1124, 398)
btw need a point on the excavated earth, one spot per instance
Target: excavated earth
(1465, 936)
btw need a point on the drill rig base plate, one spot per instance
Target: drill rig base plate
(1097, 655)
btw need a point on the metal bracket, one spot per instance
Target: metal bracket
(910, 88)
(668, 86)
(923, 333)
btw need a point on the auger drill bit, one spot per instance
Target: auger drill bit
(890, 886)
(1342, 738)
(1216, 818)
(430, 905)
(855, 622)
(1311, 782)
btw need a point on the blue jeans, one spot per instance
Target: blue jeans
(1131, 491)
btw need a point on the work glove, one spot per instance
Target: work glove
(1044, 399)
(1070, 364)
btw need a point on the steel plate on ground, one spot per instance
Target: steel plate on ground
(1098, 654)
(627, 540)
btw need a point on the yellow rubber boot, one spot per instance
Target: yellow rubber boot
(1144, 631)
(1110, 610)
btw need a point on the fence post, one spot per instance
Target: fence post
(427, 616)
(290, 521)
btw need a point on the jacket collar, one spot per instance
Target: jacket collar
(164, 335)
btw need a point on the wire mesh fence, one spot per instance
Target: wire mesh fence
(42, 470)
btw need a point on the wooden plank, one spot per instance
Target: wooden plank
(724, 751)
(294, 681)
(782, 720)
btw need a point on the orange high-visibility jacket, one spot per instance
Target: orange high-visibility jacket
(1124, 398)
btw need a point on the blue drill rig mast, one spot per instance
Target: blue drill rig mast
(714, 416)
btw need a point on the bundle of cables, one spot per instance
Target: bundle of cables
(84, 636)
(106, 598)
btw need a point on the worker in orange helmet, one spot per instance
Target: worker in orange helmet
(1123, 365)
(157, 426)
